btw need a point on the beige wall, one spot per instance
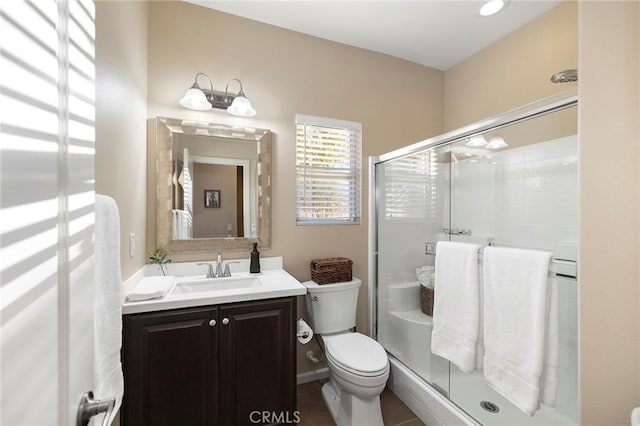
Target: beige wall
(609, 117)
(285, 73)
(515, 70)
(121, 112)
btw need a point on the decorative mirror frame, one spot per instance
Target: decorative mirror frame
(165, 129)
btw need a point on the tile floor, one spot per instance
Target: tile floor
(313, 411)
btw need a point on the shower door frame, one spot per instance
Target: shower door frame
(564, 100)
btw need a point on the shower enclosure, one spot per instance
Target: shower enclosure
(506, 181)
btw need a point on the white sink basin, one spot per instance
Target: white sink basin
(215, 284)
(191, 288)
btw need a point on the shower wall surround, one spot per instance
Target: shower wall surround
(523, 195)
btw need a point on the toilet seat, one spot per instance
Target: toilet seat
(357, 354)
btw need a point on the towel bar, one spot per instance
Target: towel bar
(559, 267)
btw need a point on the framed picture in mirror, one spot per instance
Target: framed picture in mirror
(212, 198)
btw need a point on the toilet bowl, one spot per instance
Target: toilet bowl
(358, 365)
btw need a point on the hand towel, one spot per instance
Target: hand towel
(109, 381)
(517, 306)
(456, 309)
(174, 223)
(151, 288)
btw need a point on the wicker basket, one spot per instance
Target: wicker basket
(331, 270)
(426, 300)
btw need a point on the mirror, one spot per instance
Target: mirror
(213, 186)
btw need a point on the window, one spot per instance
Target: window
(328, 156)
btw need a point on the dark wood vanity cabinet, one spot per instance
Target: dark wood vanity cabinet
(211, 365)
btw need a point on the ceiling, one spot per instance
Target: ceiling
(437, 34)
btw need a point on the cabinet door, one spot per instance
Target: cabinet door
(257, 361)
(171, 368)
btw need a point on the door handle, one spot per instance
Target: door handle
(90, 407)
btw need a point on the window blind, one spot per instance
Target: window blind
(328, 169)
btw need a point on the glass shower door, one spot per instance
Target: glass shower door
(413, 210)
(517, 187)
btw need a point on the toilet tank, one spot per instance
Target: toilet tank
(331, 308)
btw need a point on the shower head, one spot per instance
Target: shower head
(566, 76)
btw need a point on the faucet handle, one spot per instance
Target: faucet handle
(227, 271)
(210, 272)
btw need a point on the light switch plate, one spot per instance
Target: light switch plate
(132, 245)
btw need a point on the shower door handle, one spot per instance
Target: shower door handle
(456, 231)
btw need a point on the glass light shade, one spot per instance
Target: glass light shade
(496, 142)
(241, 107)
(194, 98)
(492, 7)
(476, 141)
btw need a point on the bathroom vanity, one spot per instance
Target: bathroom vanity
(212, 357)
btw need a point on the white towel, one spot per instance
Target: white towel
(108, 303)
(456, 315)
(552, 347)
(174, 222)
(635, 417)
(151, 288)
(181, 229)
(519, 338)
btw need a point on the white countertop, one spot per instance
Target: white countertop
(274, 282)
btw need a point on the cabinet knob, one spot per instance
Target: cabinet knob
(225, 321)
(212, 323)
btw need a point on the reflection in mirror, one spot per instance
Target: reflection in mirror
(213, 186)
(219, 170)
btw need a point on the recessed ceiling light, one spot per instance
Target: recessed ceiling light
(492, 7)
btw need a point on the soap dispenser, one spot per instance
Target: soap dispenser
(254, 267)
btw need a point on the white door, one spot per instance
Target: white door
(46, 209)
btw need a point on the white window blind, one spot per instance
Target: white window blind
(328, 157)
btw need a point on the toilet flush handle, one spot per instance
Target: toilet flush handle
(315, 298)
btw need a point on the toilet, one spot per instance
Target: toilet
(358, 365)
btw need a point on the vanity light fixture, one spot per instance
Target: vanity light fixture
(203, 100)
(492, 7)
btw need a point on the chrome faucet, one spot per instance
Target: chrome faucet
(219, 266)
(218, 271)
